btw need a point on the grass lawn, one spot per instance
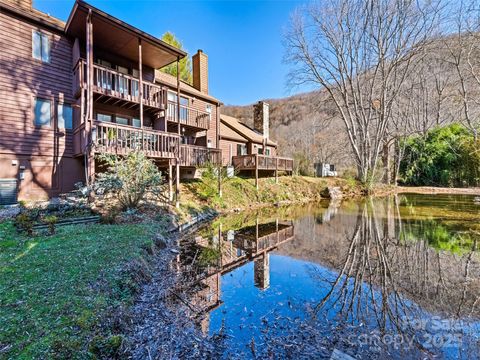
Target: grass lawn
(55, 289)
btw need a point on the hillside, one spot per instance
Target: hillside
(442, 87)
(304, 127)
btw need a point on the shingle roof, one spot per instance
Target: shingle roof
(228, 133)
(35, 15)
(244, 130)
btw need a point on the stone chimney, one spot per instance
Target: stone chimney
(200, 71)
(21, 4)
(261, 120)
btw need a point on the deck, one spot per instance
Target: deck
(262, 162)
(116, 139)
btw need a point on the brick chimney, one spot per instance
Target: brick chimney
(21, 4)
(200, 71)
(261, 119)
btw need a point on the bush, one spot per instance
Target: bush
(445, 156)
(24, 222)
(208, 187)
(131, 178)
(51, 221)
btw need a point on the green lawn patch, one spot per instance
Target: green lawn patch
(56, 290)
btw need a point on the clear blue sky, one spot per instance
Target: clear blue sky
(243, 39)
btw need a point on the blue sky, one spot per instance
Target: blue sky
(243, 39)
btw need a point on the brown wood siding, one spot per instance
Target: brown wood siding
(42, 150)
(115, 59)
(201, 105)
(229, 149)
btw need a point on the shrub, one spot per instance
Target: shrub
(131, 178)
(51, 221)
(24, 222)
(208, 187)
(445, 156)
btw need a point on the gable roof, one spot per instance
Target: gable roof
(34, 15)
(230, 134)
(242, 129)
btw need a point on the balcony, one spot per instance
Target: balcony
(188, 116)
(120, 140)
(197, 156)
(262, 162)
(116, 88)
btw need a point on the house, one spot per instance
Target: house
(251, 150)
(91, 85)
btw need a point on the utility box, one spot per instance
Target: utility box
(324, 170)
(8, 191)
(230, 171)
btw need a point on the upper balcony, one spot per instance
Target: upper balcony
(115, 88)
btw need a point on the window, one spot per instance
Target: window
(104, 117)
(136, 122)
(260, 151)
(122, 70)
(105, 63)
(64, 116)
(43, 112)
(209, 109)
(172, 97)
(121, 120)
(209, 143)
(40, 46)
(241, 149)
(172, 108)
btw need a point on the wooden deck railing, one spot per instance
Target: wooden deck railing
(276, 238)
(120, 140)
(191, 155)
(188, 116)
(262, 162)
(113, 83)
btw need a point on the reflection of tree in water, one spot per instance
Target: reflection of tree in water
(364, 288)
(379, 276)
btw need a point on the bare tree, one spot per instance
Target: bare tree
(360, 52)
(463, 54)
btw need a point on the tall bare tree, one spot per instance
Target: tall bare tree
(464, 55)
(360, 52)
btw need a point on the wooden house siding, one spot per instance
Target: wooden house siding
(47, 160)
(229, 149)
(41, 151)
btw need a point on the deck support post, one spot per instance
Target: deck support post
(276, 170)
(219, 169)
(140, 81)
(89, 156)
(170, 181)
(177, 165)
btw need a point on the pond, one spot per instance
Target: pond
(394, 277)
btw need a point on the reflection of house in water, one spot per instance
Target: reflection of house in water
(207, 257)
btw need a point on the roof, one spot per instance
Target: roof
(34, 15)
(230, 134)
(120, 36)
(167, 79)
(250, 134)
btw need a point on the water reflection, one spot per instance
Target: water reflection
(406, 268)
(216, 250)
